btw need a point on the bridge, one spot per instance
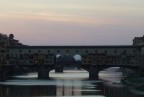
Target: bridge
(90, 58)
(44, 70)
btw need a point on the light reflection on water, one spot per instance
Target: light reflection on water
(70, 74)
(67, 84)
(111, 75)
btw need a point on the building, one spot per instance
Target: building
(6, 41)
(138, 40)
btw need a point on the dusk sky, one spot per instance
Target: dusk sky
(73, 22)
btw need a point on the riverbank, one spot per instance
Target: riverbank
(135, 84)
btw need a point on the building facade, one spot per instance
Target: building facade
(138, 40)
(6, 41)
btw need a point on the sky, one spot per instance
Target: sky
(73, 22)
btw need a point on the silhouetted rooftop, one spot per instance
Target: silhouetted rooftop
(101, 46)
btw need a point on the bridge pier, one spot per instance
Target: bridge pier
(93, 72)
(3, 74)
(58, 69)
(43, 73)
(2, 77)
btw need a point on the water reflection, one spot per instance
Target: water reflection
(72, 83)
(61, 88)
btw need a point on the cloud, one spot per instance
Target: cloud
(54, 17)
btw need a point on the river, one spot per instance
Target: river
(70, 83)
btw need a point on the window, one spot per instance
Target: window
(3, 46)
(86, 51)
(7, 51)
(50, 55)
(30, 62)
(20, 51)
(105, 52)
(11, 62)
(125, 52)
(58, 51)
(77, 51)
(134, 51)
(123, 58)
(96, 51)
(89, 61)
(31, 57)
(11, 55)
(50, 58)
(29, 51)
(115, 51)
(7, 55)
(84, 57)
(21, 56)
(46, 56)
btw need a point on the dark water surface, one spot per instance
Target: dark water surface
(70, 83)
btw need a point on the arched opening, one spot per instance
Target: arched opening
(77, 60)
(70, 70)
(77, 57)
(58, 58)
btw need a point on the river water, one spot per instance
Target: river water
(70, 83)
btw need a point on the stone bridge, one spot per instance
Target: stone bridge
(91, 58)
(44, 70)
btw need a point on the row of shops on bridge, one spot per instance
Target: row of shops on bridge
(103, 59)
(94, 58)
